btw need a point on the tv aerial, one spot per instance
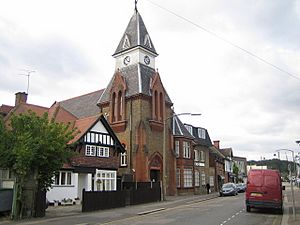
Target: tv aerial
(27, 73)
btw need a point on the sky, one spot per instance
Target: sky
(247, 104)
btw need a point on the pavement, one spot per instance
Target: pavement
(171, 201)
(291, 214)
(288, 218)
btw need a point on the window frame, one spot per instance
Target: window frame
(177, 148)
(97, 151)
(123, 159)
(63, 178)
(178, 182)
(197, 178)
(187, 177)
(186, 150)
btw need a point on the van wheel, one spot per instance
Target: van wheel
(280, 210)
(248, 209)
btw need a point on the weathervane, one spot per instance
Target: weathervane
(27, 73)
(135, 5)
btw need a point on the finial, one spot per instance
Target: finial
(135, 5)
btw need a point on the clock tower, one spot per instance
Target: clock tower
(135, 45)
(136, 105)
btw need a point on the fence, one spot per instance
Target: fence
(132, 194)
(95, 200)
(143, 192)
(6, 196)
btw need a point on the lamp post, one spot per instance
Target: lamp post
(291, 180)
(164, 180)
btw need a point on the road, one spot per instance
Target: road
(217, 211)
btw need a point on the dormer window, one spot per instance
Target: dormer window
(201, 133)
(189, 128)
(147, 42)
(126, 42)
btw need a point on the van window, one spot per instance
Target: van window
(271, 181)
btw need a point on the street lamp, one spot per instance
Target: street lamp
(291, 180)
(164, 180)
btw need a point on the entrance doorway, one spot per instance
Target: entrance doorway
(155, 175)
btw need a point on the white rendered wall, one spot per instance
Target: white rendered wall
(58, 192)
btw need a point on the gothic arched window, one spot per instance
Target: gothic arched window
(161, 106)
(120, 105)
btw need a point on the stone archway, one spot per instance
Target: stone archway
(155, 167)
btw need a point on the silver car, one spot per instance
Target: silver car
(228, 189)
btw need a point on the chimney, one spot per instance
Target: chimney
(21, 97)
(217, 144)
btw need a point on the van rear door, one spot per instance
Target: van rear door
(271, 187)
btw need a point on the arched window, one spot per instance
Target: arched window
(161, 106)
(155, 105)
(114, 107)
(120, 105)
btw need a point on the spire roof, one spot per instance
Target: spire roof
(135, 35)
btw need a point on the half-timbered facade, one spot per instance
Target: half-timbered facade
(97, 149)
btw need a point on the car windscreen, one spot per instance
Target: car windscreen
(227, 185)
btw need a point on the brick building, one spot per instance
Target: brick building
(137, 105)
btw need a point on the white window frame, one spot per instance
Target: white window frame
(203, 178)
(177, 145)
(90, 150)
(211, 181)
(178, 177)
(123, 159)
(197, 155)
(202, 156)
(188, 178)
(186, 150)
(63, 178)
(201, 133)
(106, 180)
(197, 178)
(189, 128)
(102, 151)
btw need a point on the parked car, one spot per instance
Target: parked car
(228, 189)
(264, 190)
(241, 187)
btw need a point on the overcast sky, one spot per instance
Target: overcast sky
(246, 104)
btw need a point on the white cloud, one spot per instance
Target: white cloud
(245, 103)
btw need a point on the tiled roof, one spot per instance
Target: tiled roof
(179, 129)
(227, 152)
(5, 109)
(216, 151)
(83, 125)
(138, 79)
(24, 108)
(84, 105)
(136, 35)
(60, 114)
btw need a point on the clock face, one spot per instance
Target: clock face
(126, 60)
(147, 60)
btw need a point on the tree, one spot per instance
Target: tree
(235, 171)
(33, 147)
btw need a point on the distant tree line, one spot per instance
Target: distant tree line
(276, 164)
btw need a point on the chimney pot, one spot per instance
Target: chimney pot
(217, 144)
(21, 97)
